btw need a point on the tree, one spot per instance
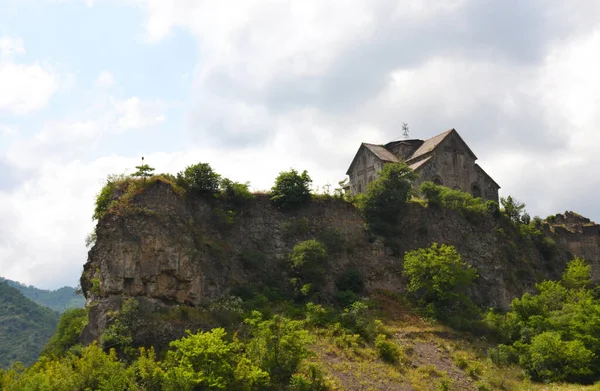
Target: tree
(143, 171)
(291, 189)
(577, 275)
(199, 179)
(236, 193)
(386, 197)
(438, 278)
(550, 358)
(69, 329)
(308, 261)
(513, 209)
(278, 345)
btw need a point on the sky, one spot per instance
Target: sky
(88, 87)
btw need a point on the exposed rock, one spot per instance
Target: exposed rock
(173, 250)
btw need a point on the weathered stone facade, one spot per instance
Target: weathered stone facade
(444, 159)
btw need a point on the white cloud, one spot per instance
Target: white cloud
(105, 79)
(11, 45)
(135, 114)
(26, 88)
(301, 84)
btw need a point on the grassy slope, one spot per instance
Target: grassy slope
(434, 357)
(58, 300)
(25, 327)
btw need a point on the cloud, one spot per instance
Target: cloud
(10, 46)
(317, 82)
(26, 88)
(301, 84)
(105, 79)
(135, 114)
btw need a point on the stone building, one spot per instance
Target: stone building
(444, 159)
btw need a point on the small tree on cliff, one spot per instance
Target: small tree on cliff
(144, 171)
(291, 189)
(199, 179)
(386, 198)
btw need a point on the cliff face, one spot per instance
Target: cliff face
(169, 250)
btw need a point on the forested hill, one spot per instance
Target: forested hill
(58, 300)
(25, 327)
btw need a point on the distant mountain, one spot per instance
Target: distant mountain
(25, 327)
(58, 300)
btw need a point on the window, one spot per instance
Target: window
(438, 181)
(476, 190)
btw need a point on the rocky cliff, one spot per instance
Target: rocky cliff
(170, 250)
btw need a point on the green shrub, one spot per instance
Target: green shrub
(473, 209)
(291, 189)
(555, 332)
(503, 355)
(577, 274)
(351, 280)
(122, 328)
(277, 345)
(308, 261)
(316, 315)
(309, 378)
(387, 350)
(207, 361)
(438, 278)
(107, 195)
(69, 329)
(550, 358)
(237, 194)
(345, 298)
(386, 197)
(493, 209)
(199, 179)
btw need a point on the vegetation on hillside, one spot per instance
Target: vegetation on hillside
(25, 327)
(385, 199)
(58, 300)
(305, 337)
(553, 334)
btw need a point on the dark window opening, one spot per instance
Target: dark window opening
(476, 190)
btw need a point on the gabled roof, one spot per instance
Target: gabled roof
(377, 150)
(420, 163)
(382, 153)
(432, 143)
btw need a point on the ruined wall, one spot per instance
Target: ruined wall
(578, 236)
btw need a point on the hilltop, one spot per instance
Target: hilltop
(379, 295)
(58, 300)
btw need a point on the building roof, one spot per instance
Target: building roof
(430, 144)
(420, 163)
(381, 152)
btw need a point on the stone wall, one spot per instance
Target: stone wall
(457, 170)
(364, 170)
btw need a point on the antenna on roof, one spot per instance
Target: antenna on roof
(405, 130)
